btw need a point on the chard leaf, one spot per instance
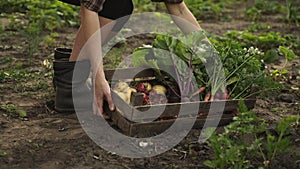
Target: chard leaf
(139, 58)
(199, 46)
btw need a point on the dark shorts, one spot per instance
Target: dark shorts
(169, 1)
(112, 11)
(120, 12)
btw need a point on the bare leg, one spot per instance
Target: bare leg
(79, 40)
(181, 10)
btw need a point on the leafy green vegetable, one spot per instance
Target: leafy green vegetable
(228, 62)
(188, 58)
(288, 54)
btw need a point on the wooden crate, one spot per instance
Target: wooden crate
(127, 115)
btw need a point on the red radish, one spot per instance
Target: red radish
(141, 87)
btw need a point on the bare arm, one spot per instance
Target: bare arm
(181, 10)
(91, 37)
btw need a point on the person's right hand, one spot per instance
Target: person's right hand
(102, 91)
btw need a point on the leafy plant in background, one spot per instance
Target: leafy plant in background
(211, 8)
(230, 149)
(32, 33)
(263, 7)
(49, 14)
(280, 143)
(39, 16)
(292, 11)
(253, 14)
(146, 6)
(242, 64)
(272, 43)
(13, 110)
(199, 8)
(245, 73)
(254, 27)
(241, 144)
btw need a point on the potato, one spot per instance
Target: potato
(121, 87)
(148, 86)
(123, 96)
(160, 89)
(128, 94)
(133, 89)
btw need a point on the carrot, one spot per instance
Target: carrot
(198, 91)
(207, 97)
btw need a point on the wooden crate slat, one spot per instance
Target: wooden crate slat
(121, 122)
(170, 110)
(128, 73)
(225, 119)
(156, 127)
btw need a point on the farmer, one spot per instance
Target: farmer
(94, 14)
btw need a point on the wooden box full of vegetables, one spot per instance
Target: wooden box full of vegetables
(147, 106)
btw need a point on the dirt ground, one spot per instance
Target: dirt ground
(46, 139)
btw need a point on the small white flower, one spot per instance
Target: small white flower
(143, 144)
(46, 63)
(147, 46)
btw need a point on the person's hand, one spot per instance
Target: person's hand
(102, 91)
